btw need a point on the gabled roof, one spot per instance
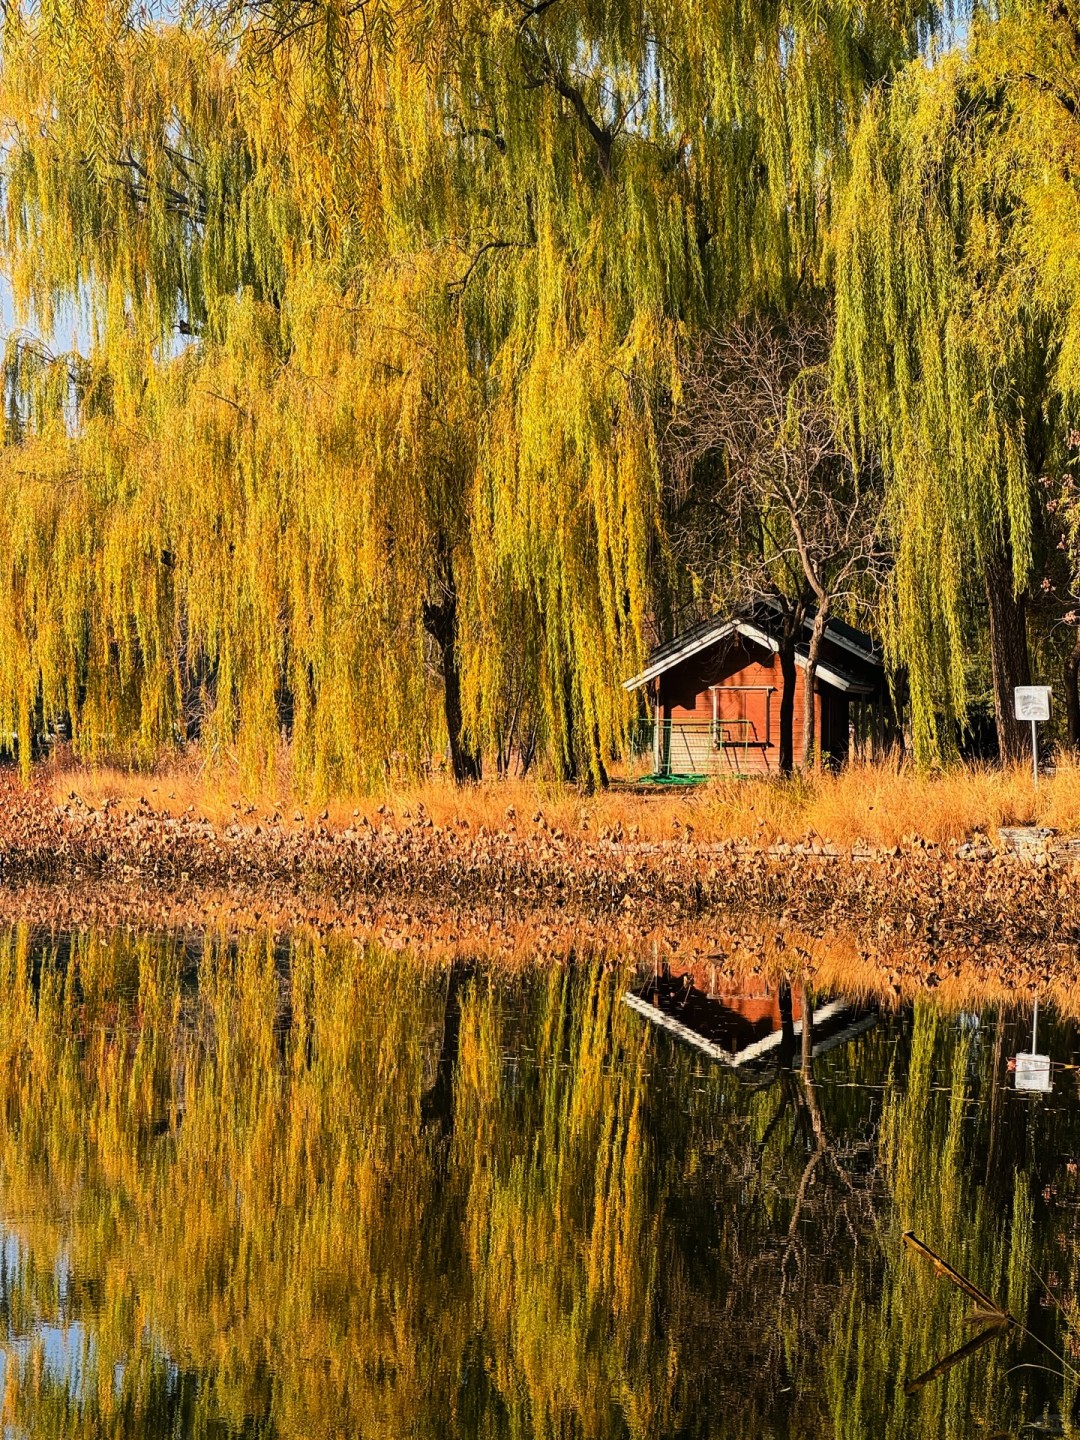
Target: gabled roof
(701, 636)
(833, 675)
(832, 1025)
(758, 626)
(857, 642)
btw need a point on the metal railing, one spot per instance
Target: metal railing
(693, 748)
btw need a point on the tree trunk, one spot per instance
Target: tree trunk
(440, 621)
(811, 757)
(1072, 695)
(437, 1102)
(596, 774)
(813, 1104)
(787, 1027)
(569, 768)
(1008, 653)
(789, 675)
(527, 753)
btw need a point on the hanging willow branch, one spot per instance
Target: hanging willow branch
(291, 175)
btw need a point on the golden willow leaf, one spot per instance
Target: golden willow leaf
(436, 265)
(958, 316)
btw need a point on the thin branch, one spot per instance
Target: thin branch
(226, 401)
(457, 287)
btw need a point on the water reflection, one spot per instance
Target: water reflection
(755, 1030)
(325, 1191)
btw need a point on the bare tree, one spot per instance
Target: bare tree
(766, 500)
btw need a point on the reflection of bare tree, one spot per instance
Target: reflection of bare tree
(794, 1237)
(821, 1148)
(841, 1204)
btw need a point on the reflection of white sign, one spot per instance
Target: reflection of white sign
(1033, 1073)
(1032, 702)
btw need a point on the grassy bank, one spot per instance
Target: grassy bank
(526, 868)
(873, 805)
(593, 857)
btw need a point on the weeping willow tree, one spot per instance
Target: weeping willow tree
(957, 329)
(432, 269)
(940, 1148)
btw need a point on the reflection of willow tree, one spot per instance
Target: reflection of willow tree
(333, 1192)
(980, 1215)
(268, 1199)
(270, 1180)
(198, 1161)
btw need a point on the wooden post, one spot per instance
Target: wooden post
(656, 731)
(1035, 779)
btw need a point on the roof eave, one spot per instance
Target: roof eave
(699, 643)
(836, 637)
(761, 637)
(839, 681)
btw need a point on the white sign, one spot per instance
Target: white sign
(1032, 702)
(1033, 1073)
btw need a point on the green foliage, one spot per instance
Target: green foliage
(957, 322)
(438, 263)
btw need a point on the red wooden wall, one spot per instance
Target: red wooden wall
(686, 696)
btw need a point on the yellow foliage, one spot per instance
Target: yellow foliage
(437, 264)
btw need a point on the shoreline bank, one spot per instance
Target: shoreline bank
(930, 894)
(747, 952)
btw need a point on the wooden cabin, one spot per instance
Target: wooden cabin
(714, 697)
(750, 1030)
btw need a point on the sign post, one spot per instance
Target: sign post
(1032, 702)
(1031, 1070)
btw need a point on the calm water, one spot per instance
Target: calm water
(330, 1192)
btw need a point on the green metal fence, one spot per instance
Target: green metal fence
(689, 749)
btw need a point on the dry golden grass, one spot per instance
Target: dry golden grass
(880, 805)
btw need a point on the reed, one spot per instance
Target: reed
(872, 804)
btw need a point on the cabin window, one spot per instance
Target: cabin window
(741, 716)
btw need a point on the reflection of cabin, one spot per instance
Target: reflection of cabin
(715, 690)
(743, 1030)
